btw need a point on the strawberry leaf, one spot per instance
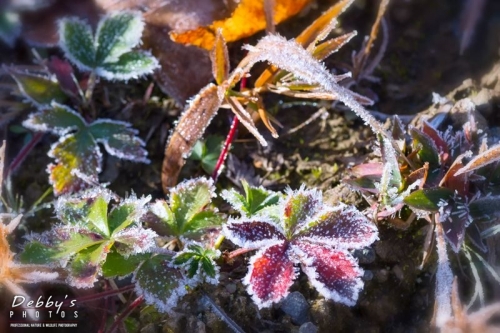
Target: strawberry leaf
(253, 234)
(256, 199)
(117, 34)
(77, 42)
(160, 283)
(84, 266)
(117, 265)
(130, 65)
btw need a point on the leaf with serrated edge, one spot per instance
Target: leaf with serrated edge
(161, 284)
(85, 266)
(98, 215)
(253, 234)
(134, 240)
(300, 207)
(118, 265)
(342, 226)
(129, 211)
(77, 42)
(255, 199)
(189, 198)
(335, 274)
(270, 275)
(39, 90)
(117, 34)
(131, 65)
(58, 119)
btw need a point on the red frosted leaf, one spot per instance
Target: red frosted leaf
(64, 73)
(253, 233)
(343, 227)
(335, 274)
(271, 274)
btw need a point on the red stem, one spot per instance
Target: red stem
(24, 152)
(229, 139)
(104, 294)
(138, 301)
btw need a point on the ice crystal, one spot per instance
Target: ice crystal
(309, 233)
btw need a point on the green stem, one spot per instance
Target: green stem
(92, 81)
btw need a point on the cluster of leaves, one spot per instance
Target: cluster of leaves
(109, 54)
(450, 175)
(299, 229)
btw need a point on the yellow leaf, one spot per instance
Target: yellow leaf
(247, 19)
(220, 59)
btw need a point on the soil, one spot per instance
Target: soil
(422, 58)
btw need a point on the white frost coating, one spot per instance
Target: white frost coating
(33, 124)
(264, 237)
(135, 74)
(250, 286)
(189, 184)
(311, 205)
(311, 272)
(140, 240)
(444, 280)
(128, 39)
(290, 56)
(63, 43)
(120, 154)
(485, 158)
(158, 208)
(232, 197)
(39, 276)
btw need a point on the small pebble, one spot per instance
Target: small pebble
(295, 305)
(308, 328)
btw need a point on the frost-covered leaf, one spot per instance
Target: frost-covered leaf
(343, 227)
(118, 265)
(335, 274)
(117, 34)
(307, 231)
(37, 253)
(38, 89)
(58, 119)
(256, 199)
(391, 180)
(78, 157)
(300, 206)
(270, 275)
(77, 42)
(134, 240)
(129, 211)
(489, 156)
(160, 283)
(63, 71)
(131, 65)
(78, 162)
(253, 234)
(73, 240)
(455, 217)
(485, 208)
(188, 199)
(428, 199)
(426, 147)
(200, 262)
(85, 266)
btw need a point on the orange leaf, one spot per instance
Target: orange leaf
(220, 59)
(247, 19)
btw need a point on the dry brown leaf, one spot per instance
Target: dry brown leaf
(220, 59)
(247, 19)
(190, 128)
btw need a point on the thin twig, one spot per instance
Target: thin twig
(320, 113)
(207, 301)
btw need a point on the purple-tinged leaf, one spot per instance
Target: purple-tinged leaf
(270, 275)
(454, 218)
(460, 183)
(335, 274)
(368, 169)
(474, 235)
(58, 119)
(426, 147)
(299, 207)
(253, 234)
(85, 266)
(438, 140)
(343, 227)
(487, 157)
(64, 73)
(486, 208)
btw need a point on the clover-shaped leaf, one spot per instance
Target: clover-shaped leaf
(109, 53)
(254, 201)
(308, 232)
(77, 154)
(89, 231)
(185, 212)
(207, 152)
(199, 262)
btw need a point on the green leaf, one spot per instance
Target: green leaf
(208, 266)
(188, 199)
(59, 119)
(130, 65)
(123, 216)
(85, 265)
(161, 284)
(98, 216)
(164, 215)
(76, 156)
(39, 90)
(117, 34)
(255, 200)
(37, 253)
(77, 42)
(77, 241)
(428, 199)
(118, 265)
(207, 152)
(203, 220)
(427, 149)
